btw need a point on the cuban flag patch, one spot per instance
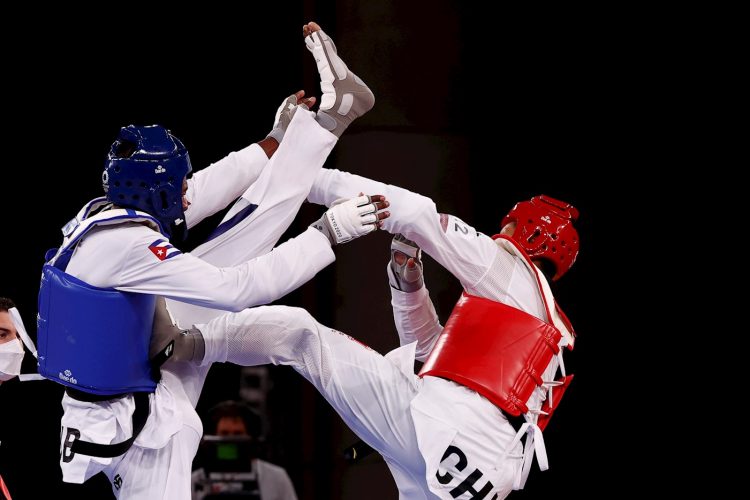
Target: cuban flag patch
(163, 250)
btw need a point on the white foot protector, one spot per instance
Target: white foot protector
(345, 96)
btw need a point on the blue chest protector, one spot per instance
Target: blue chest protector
(95, 340)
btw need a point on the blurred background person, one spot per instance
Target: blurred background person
(11, 356)
(11, 348)
(229, 453)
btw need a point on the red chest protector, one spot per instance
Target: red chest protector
(497, 350)
(500, 352)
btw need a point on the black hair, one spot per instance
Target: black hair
(6, 303)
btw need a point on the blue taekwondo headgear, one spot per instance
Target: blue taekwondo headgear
(144, 170)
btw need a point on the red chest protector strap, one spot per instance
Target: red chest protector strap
(497, 350)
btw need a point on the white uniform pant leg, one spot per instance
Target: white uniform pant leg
(368, 391)
(191, 376)
(163, 474)
(278, 194)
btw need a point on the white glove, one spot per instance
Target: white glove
(283, 117)
(347, 219)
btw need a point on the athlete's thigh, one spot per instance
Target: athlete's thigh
(370, 393)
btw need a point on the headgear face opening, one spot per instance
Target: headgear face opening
(544, 229)
(144, 170)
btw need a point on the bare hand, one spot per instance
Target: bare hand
(380, 203)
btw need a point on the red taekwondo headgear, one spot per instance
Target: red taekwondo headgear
(544, 229)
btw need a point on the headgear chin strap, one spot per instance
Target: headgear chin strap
(544, 229)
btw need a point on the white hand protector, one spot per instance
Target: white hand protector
(11, 355)
(348, 219)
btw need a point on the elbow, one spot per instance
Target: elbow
(236, 307)
(422, 207)
(415, 211)
(228, 301)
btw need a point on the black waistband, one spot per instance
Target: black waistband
(138, 419)
(91, 398)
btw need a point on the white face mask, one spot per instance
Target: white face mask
(11, 355)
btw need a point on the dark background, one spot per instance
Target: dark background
(475, 109)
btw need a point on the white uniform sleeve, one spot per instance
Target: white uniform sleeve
(457, 246)
(216, 186)
(134, 258)
(481, 265)
(416, 320)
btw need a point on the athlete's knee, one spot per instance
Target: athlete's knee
(299, 318)
(268, 315)
(270, 334)
(278, 319)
